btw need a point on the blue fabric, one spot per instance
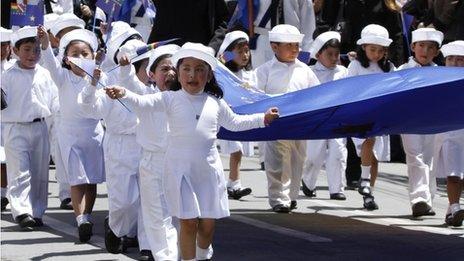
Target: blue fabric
(30, 14)
(240, 15)
(415, 101)
(125, 11)
(111, 8)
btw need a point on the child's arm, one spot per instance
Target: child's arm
(128, 77)
(235, 122)
(49, 60)
(139, 103)
(94, 104)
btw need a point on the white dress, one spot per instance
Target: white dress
(5, 65)
(449, 154)
(79, 137)
(382, 143)
(193, 179)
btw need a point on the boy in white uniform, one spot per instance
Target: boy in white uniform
(326, 49)
(419, 148)
(30, 96)
(284, 159)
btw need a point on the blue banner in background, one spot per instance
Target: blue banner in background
(27, 13)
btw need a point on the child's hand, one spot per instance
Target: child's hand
(96, 77)
(115, 92)
(352, 55)
(124, 60)
(271, 115)
(43, 37)
(99, 57)
(103, 27)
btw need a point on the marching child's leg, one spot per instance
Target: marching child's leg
(187, 238)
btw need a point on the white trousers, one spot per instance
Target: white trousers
(419, 156)
(122, 156)
(284, 161)
(64, 189)
(162, 235)
(27, 159)
(333, 152)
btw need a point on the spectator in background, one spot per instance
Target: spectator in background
(448, 16)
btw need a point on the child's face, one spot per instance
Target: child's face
(424, 51)
(286, 52)
(329, 57)
(455, 60)
(5, 50)
(79, 50)
(29, 54)
(164, 74)
(374, 52)
(194, 74)
(241, 54)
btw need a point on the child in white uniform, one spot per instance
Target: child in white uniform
(193, 176)
(236, 44)
(419, 148)
(122, 157)
(284, 159)
(29, 96)
(79, 137)
(152, 135)
(371, 58)
(449, 148)
(326, 49)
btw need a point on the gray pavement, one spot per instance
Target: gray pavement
(320, 229)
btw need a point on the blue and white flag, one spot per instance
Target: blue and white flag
(27, 12)
(110, 7)
(150, 9)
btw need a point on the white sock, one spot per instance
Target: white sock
(454, 207)
(4, 192)
(82, 218)
(365, 174)
(204, 253)
(234, 185)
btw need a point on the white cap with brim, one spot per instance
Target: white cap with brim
(121, 31)
(22, 33)
(50, 20)
(374, 34)
(285, 33)
(427, 34)
(321, 40)
(230, 38)
(160, 51)
(100, 15)
(195, 50)
(131, 47)
(5, 34)
(81, 35)
(453, 48)
(66, 20)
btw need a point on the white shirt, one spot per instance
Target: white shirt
(275, 77)
(5, 65)
(413, 64)
(355, 68)
(325, 74)
(29, 93)
(249, 77)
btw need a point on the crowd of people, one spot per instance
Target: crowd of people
(76, 89)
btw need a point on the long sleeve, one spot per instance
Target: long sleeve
(261, 77)
(53, 66)
(235, 122)
(141, 103)
(94, 104)
(129, 80)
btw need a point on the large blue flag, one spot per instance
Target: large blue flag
(110, 7)
(27, 12)
(413, 101)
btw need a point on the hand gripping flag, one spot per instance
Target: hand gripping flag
(27, 12)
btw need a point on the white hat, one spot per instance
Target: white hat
(100, 15)
(120, 32)
(78, 34)
(321, 40)
(5, 34)
(285, 33)
(50, 20)
(230, 38)
(427, 34)
(130, 47)
(195, 50)
(66, 20)
(374, 34)
(24, 32)
(162, 50)
(453, 48)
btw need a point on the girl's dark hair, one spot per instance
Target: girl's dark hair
(232, 65)
(211, 87)
(334, 43)
(139, 64)
(63, 63)
(158, 60)
(361, 56)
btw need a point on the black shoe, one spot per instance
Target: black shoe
(364, 190)
(4, 203)
(85, 231)
(66, 204)
(293, 205)
(262, 166)
(38, 222)
(238, 193)
(146, 255)
(129, 242)
(112, 242)
(309, 193)
(26, 221)
(369, 203)
(280, 208)
(422, 209)
(338, 196)
(455, 219)
(352, 185)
